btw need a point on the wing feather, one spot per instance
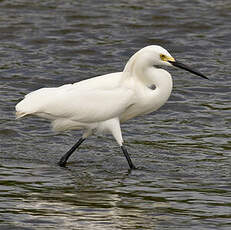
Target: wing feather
(93, 100)
(89, 106)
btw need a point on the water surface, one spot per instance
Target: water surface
(182, 152)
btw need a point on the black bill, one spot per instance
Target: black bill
(182, 66)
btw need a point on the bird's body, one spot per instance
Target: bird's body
(90, 103)
(101, 103)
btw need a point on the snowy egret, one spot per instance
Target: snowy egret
(100, 104)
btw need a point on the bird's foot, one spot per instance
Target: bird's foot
(62, 162)
(133, 167)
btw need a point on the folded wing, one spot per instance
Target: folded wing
(71, 102)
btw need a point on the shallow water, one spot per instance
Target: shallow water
(182, 152)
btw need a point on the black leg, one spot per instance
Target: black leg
(131, 165)
(66, 156)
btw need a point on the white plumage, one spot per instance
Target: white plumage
(99, 104)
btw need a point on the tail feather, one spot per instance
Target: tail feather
(33, 103)
(20, 114)
(23, 109)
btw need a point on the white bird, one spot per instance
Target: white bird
(100, 104)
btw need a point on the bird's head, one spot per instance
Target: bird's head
(154, 55)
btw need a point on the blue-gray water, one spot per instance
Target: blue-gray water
(182, 151)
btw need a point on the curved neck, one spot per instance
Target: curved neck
(138, 75)
(135, 66)
(145, 73)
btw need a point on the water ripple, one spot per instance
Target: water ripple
(182, 151)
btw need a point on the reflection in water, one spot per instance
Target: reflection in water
(93, 197)
(183, 151)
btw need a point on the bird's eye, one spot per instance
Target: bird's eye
(163, 57)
